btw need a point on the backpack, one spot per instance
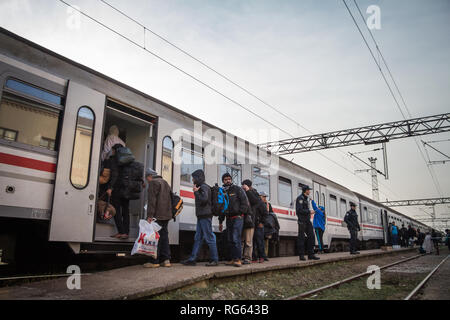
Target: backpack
(177, 205)
(131, 180)
(219, 201)
(124, 156)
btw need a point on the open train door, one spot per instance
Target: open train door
(73, 211)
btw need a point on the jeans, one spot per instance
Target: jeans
(258, 240)
(394, 239)
(122, 217)
(305, 227)
(163, 252)
(319, 236)
(204, 232)
(234, 227)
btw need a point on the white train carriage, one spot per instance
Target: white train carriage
(54, 116)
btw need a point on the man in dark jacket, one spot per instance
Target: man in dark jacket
(237, 207)
(403, 235)
(304, 212)
(351, 219)
(122, 205)
(420, 238)
(202, 193)
(259, 210)
(271, 227)
(411, 234)
(160, 208)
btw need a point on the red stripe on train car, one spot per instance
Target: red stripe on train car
(280, 211)
(187, 194)
(375, 227)
(334, 220)
(27, 163)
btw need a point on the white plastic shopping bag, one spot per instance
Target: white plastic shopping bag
(147, 241)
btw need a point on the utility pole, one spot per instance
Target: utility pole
(375, 193)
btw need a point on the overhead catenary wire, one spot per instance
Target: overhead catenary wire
(174, 66)
(202, 82)
(430, 169)
(193, 77)
(146, 28)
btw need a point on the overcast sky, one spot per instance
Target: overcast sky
(306, 58)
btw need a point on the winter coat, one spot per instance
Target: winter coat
(319, 217)
(159, 199)
(302, 208)
(258, 207)
(238, 202)
(411, 233)
(394, 230)
(351, 219)
(272, 227)
(202, 196)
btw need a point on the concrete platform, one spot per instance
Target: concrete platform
(137, 282)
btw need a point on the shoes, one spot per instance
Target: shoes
(212, 264)
(261, 260)
(166, 264)
(266, 259)
(302, 258)
(229, 263)
(313, 257)
(188, 263)
(355, 252)
(151, 265)
(117, 235)
(124, 236)
(254, 261)
(246, 261)
(237, 263)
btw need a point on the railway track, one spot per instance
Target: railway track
(366, 274)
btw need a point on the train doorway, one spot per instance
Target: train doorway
(137, 130)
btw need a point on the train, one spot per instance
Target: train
(54, 116)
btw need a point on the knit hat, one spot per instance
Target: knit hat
(322, 208)
(247, 182)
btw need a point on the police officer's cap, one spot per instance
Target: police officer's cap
(352, 204)
(305, 188)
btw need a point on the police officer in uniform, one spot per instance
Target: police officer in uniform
(351, 219)
(304, 212)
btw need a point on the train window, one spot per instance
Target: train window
(261, 180)
(8, 134)
(26, 122)
(323, 200)
(343, 207)
(365, 216)
(33, 91)
(82, 147)
(167, 159)
(333, 206)
(235, 170)
(191, 160)
(284, 192)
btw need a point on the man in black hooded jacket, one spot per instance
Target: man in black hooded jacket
(202, 193)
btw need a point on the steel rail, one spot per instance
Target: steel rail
(420, 285)
(338, 283)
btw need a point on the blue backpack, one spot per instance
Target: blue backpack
(219, 201)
